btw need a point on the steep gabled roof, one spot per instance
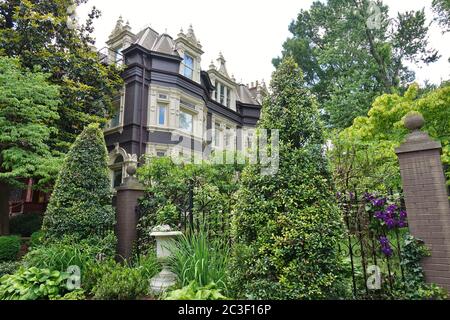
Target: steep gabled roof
(165, 44)
(147, 38)
(245, 96)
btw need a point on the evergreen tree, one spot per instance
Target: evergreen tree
(81, 201)
(286, 227)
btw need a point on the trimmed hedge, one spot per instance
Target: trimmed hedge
(9, 248)
(80, 205)
(25, 224)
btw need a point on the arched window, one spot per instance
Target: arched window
(117, 171)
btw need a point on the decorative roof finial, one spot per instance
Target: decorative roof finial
(119, 23)
(191, 35)
(212, 66)
(222, 65)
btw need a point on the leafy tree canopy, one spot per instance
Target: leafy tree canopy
(28, 117)
(363, 154)
(351, 52)
(42, 33)
(442, 10)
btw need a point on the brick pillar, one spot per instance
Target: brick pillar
(126, 229)
(426, 198)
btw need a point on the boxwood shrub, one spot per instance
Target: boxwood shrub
(9, 248)
(25, 224)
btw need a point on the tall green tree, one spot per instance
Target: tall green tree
(28, 118)
(351, 52)
(43, 33)
(80, 205)
(287, 226)
(442, 10)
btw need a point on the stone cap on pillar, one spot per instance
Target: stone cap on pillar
(417, 140)
(131, 182)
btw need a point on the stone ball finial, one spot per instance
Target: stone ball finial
(414, 122)
(131, 169)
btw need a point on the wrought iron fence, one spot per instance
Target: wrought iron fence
(372, 249)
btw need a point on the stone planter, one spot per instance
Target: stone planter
(166, 278)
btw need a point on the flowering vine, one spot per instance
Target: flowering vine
(388, 216)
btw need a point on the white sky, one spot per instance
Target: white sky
(249, 33)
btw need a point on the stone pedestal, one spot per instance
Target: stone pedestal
(426, 199)
(166, 278)
(126, 229)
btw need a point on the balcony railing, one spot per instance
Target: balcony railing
(109, 56)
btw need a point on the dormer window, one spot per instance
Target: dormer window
(188, 66)
(222, 94)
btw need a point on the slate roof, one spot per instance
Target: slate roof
(245, 95)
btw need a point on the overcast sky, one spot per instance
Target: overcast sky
(249, 33)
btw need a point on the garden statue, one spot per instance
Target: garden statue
(164, 238)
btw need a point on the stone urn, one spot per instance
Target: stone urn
(165, 238)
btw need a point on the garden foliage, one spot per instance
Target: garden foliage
(195, 292)
(33, 284)
(25, 224)
(286, 227)
(199, 259)
(363, 155)
(81, 201)
(171, 190)
(9, 248)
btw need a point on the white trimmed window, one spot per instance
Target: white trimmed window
(188, 63)
(162, 115)
(186, 121)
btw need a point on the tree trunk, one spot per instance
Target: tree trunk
(4, 208)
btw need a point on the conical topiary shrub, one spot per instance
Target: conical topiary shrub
(80, 205)
(287, 227)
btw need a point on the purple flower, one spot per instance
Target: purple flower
(402, 224)
(379, 215)
(390, 223)
(403, 214)
(387, 251)
(368, 196)
(379, 202)
(386, 247)
(384, 240)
